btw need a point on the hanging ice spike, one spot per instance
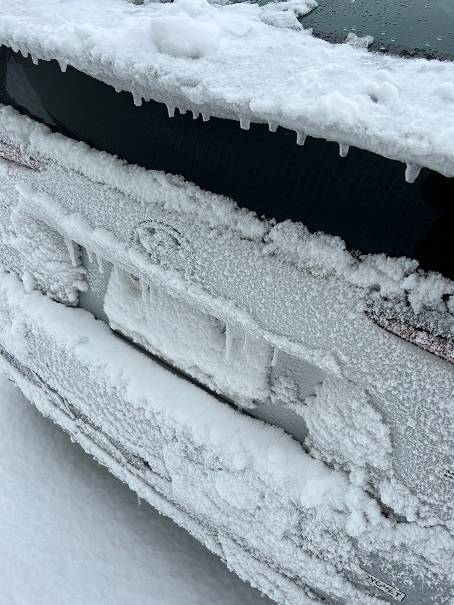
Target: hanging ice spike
(412, 172)
(300, 137)
(100, 263)
(171, 111)
(343, 150)
(137, 99)
(229, 336)
(144, 290)
(72, 253)
(245, 123)
(63, 65)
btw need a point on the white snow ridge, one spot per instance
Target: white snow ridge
(243, 60)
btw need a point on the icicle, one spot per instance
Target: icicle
(100, 263)
(139, 501)
(63, 65)
(300, 137)
(183, 111)
(229, 336)
(72, 253)
(170, 111)
(206, 117)
(343, 150)
(90, 255)
(272, 126)
(35, 60)
(244, 343)
(245, 123)
(195, 115)
(117, 89)
(137, 99)
(412, 172)
(24, 53)
(275, 356)
(143, 288)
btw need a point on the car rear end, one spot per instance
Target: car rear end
(254, 334)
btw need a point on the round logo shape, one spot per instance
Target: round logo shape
(164, 244)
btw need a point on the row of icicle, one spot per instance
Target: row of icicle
(411, 170)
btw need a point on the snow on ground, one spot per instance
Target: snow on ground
(248, 63)
(70, 532)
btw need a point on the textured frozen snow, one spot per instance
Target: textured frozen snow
(324, 255)
(248, 63)
(72, 533)
(279, 518)
(300, 293)
(217, 353)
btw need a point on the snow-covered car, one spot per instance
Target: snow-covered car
(227, 273)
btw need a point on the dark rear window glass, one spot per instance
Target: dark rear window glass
(423, 28)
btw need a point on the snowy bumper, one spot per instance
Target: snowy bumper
(283, 521)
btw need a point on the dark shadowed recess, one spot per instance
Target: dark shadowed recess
(362, 198)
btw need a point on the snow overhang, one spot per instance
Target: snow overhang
(252, 64)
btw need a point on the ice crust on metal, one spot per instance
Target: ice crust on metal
(282, 520)
(302, 294)
(247, 490)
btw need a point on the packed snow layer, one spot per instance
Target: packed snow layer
(282, 520)
(70, 531)
(34, 250)
(248, 63)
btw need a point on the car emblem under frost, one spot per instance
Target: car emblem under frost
(391, 591)
(163, 243)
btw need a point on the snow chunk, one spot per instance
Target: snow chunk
(344, 427)
(285, 14)
(359, 42)
(184, 36)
